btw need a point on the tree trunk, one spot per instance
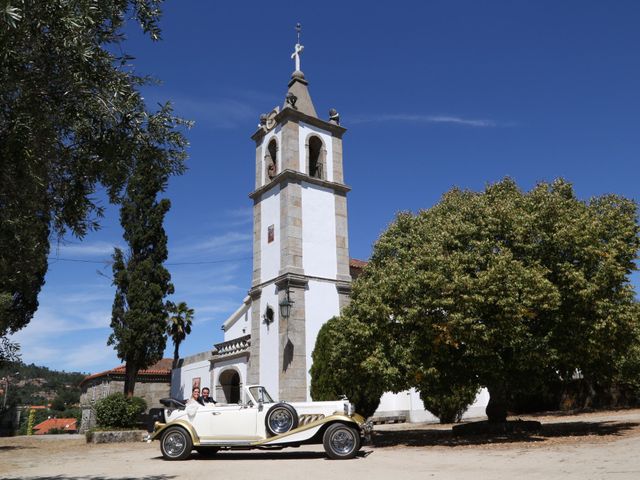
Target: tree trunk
(497, 407)
(176, 355)
(130, 374)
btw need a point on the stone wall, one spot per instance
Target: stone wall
(98, 388)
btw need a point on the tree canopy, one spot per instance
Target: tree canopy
(142, 282)
(178, 326)
(71, 119)
(503, 289)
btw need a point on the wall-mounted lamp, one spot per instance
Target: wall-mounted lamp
(285, 305)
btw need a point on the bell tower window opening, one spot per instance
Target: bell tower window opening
(316, 158)
(270, 160)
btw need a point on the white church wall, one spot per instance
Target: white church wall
(269, 338)
(182, 378)
(477, 409)
(321, 303)
(305, 130)
(270, 252)
(318, 232)
(240, 325)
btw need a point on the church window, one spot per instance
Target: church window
(270, 233)
(270, 160)
(316, 158)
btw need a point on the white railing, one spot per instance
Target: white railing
(230, 347)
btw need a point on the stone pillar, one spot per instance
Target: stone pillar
(292, 356)
(253, 367)
(257, 233)
(259, 174)
(336, 146)
(342, 237)
(290, 149)
(291, 227)
(344, 294)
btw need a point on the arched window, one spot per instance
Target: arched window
(316, 152)
(270, 160)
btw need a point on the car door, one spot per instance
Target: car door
(228, 423)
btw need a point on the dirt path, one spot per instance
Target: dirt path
(591, 446)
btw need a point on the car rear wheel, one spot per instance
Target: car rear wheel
(281, 418)
(341, 441)
(175, 444)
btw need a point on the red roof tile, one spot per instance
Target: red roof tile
(66, 424)
(163, 367)
(355, 263)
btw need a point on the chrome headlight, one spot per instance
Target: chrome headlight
(349, 409)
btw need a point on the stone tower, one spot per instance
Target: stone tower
(300, 239)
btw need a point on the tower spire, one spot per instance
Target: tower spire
(298, 96)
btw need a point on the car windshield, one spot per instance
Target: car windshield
(260, 394)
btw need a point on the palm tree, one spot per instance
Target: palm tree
(179, 326)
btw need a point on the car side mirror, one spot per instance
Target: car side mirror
(260, 406)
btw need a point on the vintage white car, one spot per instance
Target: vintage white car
(258, 422)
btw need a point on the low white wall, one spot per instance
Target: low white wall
(409, 404)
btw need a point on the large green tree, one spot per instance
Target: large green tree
(504, 289)
(179, 326)
(142, 282)
(345, 362)
(71, 119)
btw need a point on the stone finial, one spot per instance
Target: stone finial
(334, 116)
(263, 121)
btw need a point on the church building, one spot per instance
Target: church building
(302, 271)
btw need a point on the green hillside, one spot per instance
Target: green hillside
(34, 385)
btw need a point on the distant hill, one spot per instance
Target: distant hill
(34, 385)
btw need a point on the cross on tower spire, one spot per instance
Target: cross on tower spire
(298, 49)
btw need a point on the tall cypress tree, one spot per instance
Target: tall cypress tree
(139, 309)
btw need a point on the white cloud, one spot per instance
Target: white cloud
(89, 249)
(223, 244)
(92, 356)
(422, 118)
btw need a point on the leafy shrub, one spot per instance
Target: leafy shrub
(449, 405)
(118, 411)
(340, 368)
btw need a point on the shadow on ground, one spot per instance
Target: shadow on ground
(8, 448)
(280, 455)
(92, 477)
(426, 437)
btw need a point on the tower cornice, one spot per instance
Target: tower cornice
(292, 175)
(297, 116)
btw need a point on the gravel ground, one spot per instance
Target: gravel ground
(586, 446)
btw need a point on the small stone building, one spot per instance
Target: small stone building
(152, 384)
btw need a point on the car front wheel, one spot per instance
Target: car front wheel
(341, 441)
(175, 444)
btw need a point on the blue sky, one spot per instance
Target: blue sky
(433, 94)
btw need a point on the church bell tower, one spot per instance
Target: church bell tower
(300, 240)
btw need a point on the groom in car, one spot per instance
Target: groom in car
(205, 398)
